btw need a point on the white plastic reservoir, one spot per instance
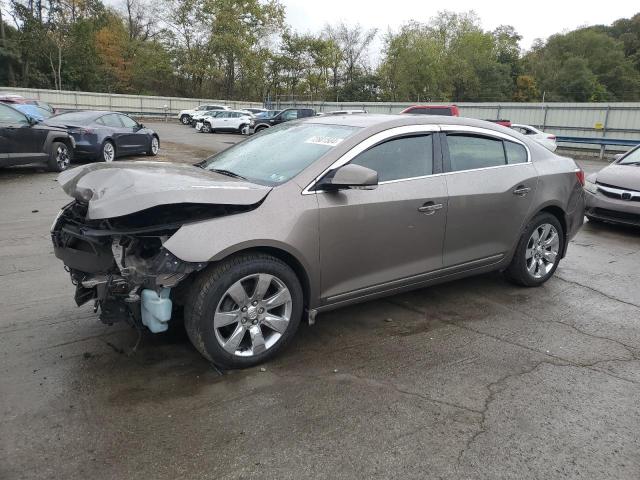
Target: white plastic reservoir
(156, 309)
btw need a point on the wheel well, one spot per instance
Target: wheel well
(64, 140)
(559, 214)
(292, 262)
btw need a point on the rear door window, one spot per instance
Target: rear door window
(470, 152)
(111, 120)
(290, 115)
(128, 122)
(400, 158)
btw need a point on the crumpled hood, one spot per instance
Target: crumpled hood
(621, 176)
(122, 188)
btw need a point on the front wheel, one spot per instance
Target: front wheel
(206, 128)
(154, 146)
(538, 252)
(244, 310)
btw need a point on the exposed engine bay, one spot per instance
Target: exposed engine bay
(120, 263)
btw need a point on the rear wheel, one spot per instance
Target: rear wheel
(59, 157)
(244, 310)
(185, 119)
(107, 152)
(538, 252)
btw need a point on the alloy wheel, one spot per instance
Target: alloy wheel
(62, 157)
(542, 250)
(155, 145)
(252, 315)
(108, 152)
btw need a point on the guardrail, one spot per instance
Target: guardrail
(601, 141)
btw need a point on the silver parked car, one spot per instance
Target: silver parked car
(310, 216)
(613, 194)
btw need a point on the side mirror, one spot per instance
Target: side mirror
(352, 176)
(32, 120)
(617, 157)
(140, 126)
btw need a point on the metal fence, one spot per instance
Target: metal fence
(593, 120)
(141, 105)
(586, 120)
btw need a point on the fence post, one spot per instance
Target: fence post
(498, 113)
(604, 132)
(544, 120)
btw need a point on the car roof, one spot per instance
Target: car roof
(399, 120)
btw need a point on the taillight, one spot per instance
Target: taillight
(551, 137)
(580, 175)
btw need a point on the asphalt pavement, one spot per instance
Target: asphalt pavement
(473, 379)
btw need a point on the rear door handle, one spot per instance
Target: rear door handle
(521, 191)
(430, 208)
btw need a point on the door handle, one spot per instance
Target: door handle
(430, 208)
(521, 191)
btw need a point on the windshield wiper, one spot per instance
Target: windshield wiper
(227, 173)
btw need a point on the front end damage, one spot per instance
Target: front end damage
(121, 265)
(111, 236)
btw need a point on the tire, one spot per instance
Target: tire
(107, 152)
(206, 128)
(522, 269)
(259, 129)
(154, 146)
(241, 128)
(185, 119)
(239, 325)
(59, 157)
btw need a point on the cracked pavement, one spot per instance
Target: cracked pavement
(475, 379)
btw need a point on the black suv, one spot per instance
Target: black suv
(258, 124)
(23, 140)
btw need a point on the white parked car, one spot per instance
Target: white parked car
(186, 116)
(229, 121)
(547, 140)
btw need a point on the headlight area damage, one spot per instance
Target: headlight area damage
(111, 236)
(120, 263)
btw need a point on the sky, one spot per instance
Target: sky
(531, 19)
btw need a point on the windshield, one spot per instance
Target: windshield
(277, 154)
(632, 158)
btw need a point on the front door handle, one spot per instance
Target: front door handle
(430, 208)
(521, 191)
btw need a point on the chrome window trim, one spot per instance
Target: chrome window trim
(368, 143)
(409, 129)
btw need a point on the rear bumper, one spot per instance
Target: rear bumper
(613, 210)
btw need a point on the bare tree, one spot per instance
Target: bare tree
(353, 43)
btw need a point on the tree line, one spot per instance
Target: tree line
(244, 49)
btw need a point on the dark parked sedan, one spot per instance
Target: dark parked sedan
(103, 136)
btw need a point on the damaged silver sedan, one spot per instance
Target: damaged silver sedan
(311, 216)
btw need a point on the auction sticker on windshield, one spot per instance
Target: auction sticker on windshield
(320, 140)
